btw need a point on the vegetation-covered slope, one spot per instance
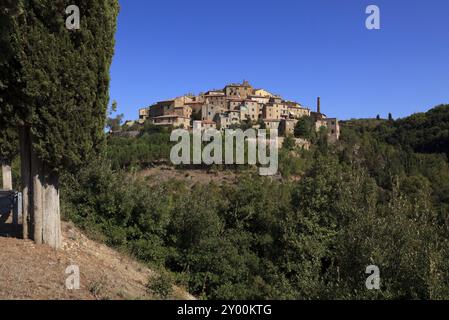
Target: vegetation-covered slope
(423, 132)
(372, 199)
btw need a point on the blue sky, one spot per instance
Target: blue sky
(300, 49)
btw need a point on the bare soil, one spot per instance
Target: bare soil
(31, 272)
(191, 176)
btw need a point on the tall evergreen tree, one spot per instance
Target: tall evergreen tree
(8, 151)
(390, 117)
(60, 103)
(8, 134)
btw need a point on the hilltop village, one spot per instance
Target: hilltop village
(234, 106)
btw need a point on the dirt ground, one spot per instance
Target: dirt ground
(163, 174)
(33, 272)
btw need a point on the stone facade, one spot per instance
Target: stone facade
(172, 121)
(332, 126)
(239, 90)
(234, 104)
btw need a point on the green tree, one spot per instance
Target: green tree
(8, 133)
(114, 124)
(196, 116)
(289, 143)
(8, 151)
(304, 128)
(390, 117)
(61, 81)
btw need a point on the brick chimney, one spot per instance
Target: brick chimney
(318, 105)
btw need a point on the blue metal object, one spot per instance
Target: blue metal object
(10, 202)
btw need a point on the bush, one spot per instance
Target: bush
(161, 285)
(363, 202)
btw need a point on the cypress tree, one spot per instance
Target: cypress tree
(390, 117)
(8, 134)
(61, 100)
(8, 151)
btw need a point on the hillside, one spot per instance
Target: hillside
(227, 233)
(35, 272)
(426, 132)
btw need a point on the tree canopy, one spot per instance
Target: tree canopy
(304, 128)
(64, 76)
(362, 202)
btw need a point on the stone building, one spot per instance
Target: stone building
(233, 105)
(332, 126)
(263, 93)
(272, 124)
(259, 99)
(206, 124)
(271, 111)
(210, 112)
(239, 90)
(298, 112)
(183, 111)
(252, 110)
(144, 114)
(287, 127)
(229, 118)
(215, 99)
(162, 108)
(172, 121)
(196, 106)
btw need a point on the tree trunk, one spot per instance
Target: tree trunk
(38, 206)
(42, 218)
(51, 223)
(25, 160)
(7, 175)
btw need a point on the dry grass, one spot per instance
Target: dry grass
(162, 174)
(34, 272)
